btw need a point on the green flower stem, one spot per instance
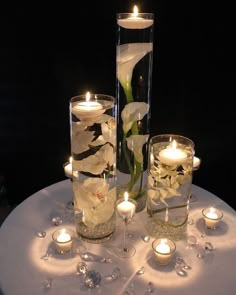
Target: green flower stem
(131, 170)
(135, 173)
(151, 212)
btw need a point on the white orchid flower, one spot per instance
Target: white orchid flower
(128, 55)
(135, 144)
(103, 212)
(98, 162)
(97, 201)
(132, 112)
(108, 133)
(81, 142)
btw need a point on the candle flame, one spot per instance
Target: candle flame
(163, 241)
(212, 210)
(87, 97)
(174, 144)
(135, 11)
(126, 196)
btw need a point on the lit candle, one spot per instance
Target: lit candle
(68, 168)
(134, 21)
(126, 208)
(87, 110)
(163, 249)
(196, 163)
(172, 155)
(212, 216)
(63, 239)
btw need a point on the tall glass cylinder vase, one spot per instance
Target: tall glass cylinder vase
(169, 185)
(93, 148)
(134, 60)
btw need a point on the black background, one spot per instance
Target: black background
(49, 54)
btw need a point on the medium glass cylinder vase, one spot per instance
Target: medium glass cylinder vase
(93, 148)
(134, 61)
(170, 170)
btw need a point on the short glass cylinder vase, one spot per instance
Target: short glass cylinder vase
(93, 148)
(134, 59)
(170, 170)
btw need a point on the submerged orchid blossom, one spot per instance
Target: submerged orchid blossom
(97, 201)
(98, 162)
(108, 133)
(128, 55)
(132, 112)
(135, 144)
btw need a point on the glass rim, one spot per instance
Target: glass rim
(93, 97)
(169, 242)
(173, 136)
(148, 15)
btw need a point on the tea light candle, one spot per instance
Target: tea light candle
(126, 208)
(68, 168)
(172, 155)
(163, 250)
(87, 110)
(134, 21)
(63, 239)
(212, 216)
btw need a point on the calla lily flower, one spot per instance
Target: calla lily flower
(135, 144)
(132, 112)
(128, 55)
(98, 162)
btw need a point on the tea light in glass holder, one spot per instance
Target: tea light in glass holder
(163, 250)
(212, 216)
(63, 239)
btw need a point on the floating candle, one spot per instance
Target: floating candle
(172, 155)
(134, 21)
(88, 109)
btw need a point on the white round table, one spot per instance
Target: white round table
(23, 271)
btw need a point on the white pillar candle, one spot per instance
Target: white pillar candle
(212, 216)
(163, 250)
(126, 208)
(87, 109)
(135, 21)
(172, 155)
(63, 239)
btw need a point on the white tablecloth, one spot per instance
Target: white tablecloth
(22, 270)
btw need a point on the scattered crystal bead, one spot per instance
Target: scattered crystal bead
(81, 267)
(150, 288)
(116, 273)
(56, 221)
(47, 284)
(192, 240)
(92, 279)
(41, 234)
(209, 247)
(191, 222)
(140, 271)
(179, 270)
(146, 239)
